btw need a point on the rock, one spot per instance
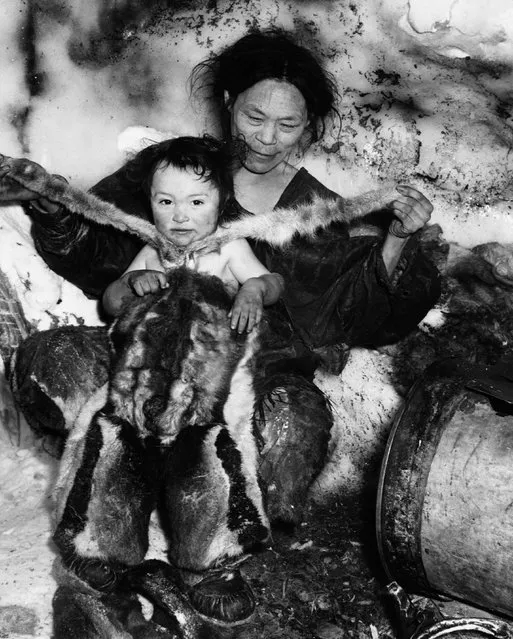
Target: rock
(17, 619)
(329, 631)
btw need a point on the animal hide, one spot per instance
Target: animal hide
(473, 320)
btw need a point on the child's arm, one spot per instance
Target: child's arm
(139, 279)
(259, 287)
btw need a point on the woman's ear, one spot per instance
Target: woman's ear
(228, 102)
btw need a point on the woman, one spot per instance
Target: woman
(340, 292)
(275, 96)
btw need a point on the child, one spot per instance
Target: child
(189, 185)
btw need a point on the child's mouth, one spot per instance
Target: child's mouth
(180, 236)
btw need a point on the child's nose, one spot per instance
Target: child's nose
(180, 214)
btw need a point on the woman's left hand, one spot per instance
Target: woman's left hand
(412, 210)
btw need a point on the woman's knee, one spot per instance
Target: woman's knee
(294, 421)
(53, 373)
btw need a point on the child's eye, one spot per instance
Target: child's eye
(197, 202)
(165, 202)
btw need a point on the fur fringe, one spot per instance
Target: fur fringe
(277, 227)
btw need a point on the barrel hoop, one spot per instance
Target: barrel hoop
(487, 627)
(412, 444)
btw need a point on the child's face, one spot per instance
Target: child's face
(185, 207)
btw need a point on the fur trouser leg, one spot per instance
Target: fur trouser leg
(213, 506)
(105, 494)
(294, 421)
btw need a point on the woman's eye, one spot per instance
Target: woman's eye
(288, 127)
(255, 119)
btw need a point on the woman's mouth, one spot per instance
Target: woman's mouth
(263, 156)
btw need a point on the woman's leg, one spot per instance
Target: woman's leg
(294, 421)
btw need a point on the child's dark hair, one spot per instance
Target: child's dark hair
(209, 158)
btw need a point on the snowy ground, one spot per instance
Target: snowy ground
(27, 472)
(26, 553)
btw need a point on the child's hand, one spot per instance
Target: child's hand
(248, 306)
(144, 282)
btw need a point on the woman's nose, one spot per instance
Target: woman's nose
(267, 133)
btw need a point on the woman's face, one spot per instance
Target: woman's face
(185, 207)
(271, 117)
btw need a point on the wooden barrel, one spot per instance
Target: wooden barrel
(445, 498)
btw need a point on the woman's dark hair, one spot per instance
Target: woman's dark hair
(209, 158)
(264, 55)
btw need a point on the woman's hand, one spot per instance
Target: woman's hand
(145, 282)
(10, 189)
(248, 306)
(412, 210)
(18, 175)
(28, 179)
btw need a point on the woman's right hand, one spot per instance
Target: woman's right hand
(13, 190)
(144, 282)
